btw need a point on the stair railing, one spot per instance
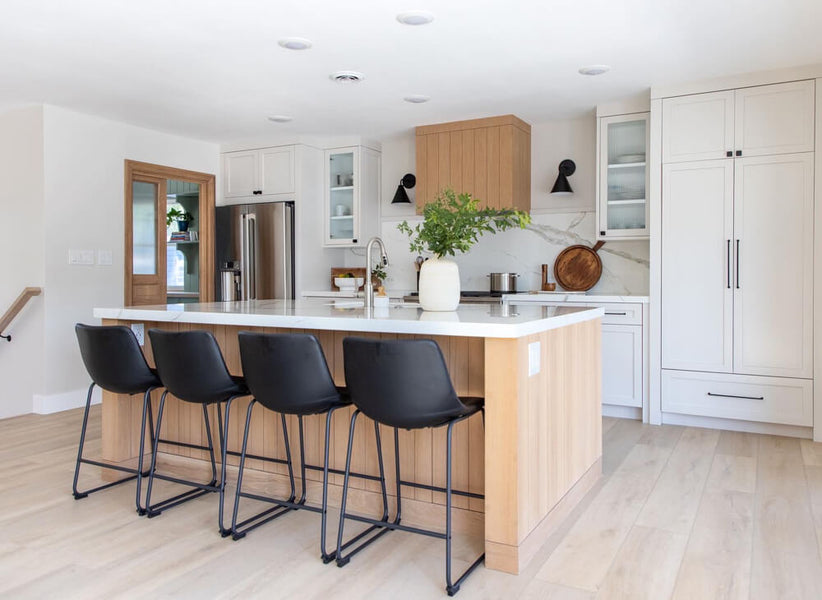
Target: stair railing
(26, 295)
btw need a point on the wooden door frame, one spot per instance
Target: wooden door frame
(135, 170)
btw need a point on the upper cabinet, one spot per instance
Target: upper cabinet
(756, 121)
(267, 172)
(488, 158)
(352, 195)
(622, 177)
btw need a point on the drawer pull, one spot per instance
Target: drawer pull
(616, 314)
(732, 396)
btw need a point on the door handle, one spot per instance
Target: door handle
(734, 396)
(728, 263)
(737, 264)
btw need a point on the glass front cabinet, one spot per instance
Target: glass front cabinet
(351, 195)
(622, 177)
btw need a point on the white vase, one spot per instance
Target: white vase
(439, 285)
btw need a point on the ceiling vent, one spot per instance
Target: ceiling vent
(347, 76)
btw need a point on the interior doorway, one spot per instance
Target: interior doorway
(169, 235)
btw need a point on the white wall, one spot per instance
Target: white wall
(83, 183)
(21, 246)
(558, 221)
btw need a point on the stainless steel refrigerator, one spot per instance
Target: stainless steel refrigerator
(255, 251)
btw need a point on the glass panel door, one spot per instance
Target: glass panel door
(341, 196)
(144, 228)
(626, 174)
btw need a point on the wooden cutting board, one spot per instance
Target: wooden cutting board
(578, 268)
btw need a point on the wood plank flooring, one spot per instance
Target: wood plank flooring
(681, 513)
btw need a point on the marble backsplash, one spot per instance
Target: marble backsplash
(625, 265)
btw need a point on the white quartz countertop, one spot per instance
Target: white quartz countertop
(575, 297)
(469, 320)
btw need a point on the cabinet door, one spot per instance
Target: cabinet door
(697, 127)
(277, 170)
(623, 177)
(773, 290)
(239, 173)
(342, 197)
(775, 119)
(697, 300)
(622, 365)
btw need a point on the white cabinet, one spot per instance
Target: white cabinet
(773, 289)
(622, 365)
(352, 196)
(698, 127)
(268, 173)
(755, 121)
(697, 239)
(622, 177)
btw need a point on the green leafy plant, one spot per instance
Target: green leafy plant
(379, 272)
(453, 223)
(175, 214)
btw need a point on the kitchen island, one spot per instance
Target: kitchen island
(537, 367)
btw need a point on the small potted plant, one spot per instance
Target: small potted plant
(378, 276)
(453, 224)
(182, 217)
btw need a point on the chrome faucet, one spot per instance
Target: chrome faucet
(369, 289)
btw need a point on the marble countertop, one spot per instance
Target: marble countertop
(469, 320)
(576, 297)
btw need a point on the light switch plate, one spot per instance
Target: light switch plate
(534, 358)
(139, 333)
(104, 257)
(81, 257)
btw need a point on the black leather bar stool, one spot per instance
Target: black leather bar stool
(288, 374)
(403, 384)
(115, 363)
(192, 368)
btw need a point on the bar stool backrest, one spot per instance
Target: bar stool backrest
(113, 359)
(400, 383)
(287, 372)
(191, 365)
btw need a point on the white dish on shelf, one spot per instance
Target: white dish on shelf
(629, 158)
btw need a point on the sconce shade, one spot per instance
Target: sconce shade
(561, 185)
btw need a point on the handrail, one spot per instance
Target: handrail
(27, 294)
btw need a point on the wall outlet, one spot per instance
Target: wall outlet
(534, 358)
(81, 257)
(139, 332)
(104, 257)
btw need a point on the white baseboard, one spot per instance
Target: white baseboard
(621, 412)
(737, 425)
(52, 403)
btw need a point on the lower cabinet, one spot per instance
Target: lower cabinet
(622, 365)
(782, 400)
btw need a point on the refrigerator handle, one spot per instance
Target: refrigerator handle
(251, 253)
(288, 255)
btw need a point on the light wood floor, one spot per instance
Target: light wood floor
(680, 513)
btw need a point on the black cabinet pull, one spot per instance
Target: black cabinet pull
(729, 153)
(353, 241)
(601, 233)
(737, 264)
(733, 396)
(616, 314)
(739, 152)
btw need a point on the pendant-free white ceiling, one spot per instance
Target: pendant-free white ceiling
(212, 69)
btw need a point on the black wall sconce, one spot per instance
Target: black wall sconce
(561, 185)
(408, 181)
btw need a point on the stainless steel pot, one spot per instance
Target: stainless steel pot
(503, 283)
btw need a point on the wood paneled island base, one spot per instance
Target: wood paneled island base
(538, 454)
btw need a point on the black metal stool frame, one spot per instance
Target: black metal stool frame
(133, 473)
(239, 530)
(383, 525)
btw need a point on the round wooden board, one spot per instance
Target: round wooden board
(578, 268)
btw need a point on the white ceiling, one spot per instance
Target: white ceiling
(212, 69)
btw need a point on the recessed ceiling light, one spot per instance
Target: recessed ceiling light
(280, 118)
(295, 43)
(347, 76)
(415, 17)
(417, 98)
(594, 70)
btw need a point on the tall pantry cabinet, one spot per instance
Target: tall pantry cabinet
(737, 254)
